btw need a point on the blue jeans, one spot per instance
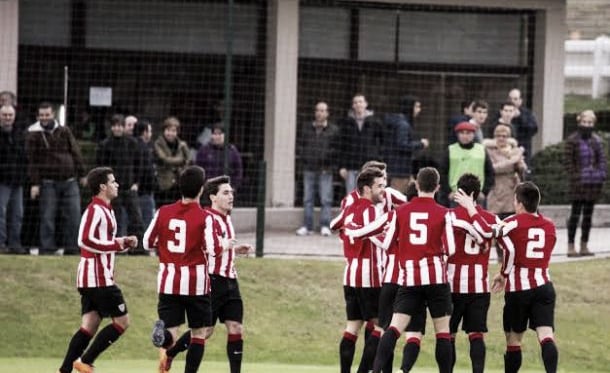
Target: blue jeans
(350, 181)
(324, 179)
(63, 195)
(11, 215)
(147, 207)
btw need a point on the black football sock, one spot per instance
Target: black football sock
(443, 353)
(79, 342)
(168, 340)
(104, 339)
(386, 348)
(194, 355)
(368, 355)
(347, 348)
(550, 355)
(512, 359)
(182, 344)
(235, 349)
(453, 353)
(388, 365)
(410, 354)
(477, 352)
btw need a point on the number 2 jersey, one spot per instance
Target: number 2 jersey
(178, 232)
(528, 241)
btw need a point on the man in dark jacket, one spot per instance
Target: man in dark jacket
(121, 153)
(400, 142)
(55, 164)
(316, 148)
(147, 184)
(524, 123)
(13, 168)
(361, 136)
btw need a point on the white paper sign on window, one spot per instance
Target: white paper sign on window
(100, 96)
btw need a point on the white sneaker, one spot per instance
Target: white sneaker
(325, 231)
(303, 231)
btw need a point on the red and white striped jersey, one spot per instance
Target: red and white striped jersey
(363, 259)
(528, 241)
(98, 245)
(181, 232)
(222, 264)
(422, 228)
(392, 199)
(467, 269)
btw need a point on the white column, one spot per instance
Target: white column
(9, 44)
(549, 55)
(281, 100)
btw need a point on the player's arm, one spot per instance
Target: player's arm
(508, 260)
(91, 223)
(211, 237)
(338, 221)
(448, 235)
(395, 196)
(151, 235)
(374, 228)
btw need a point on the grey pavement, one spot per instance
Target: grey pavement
(286, 244)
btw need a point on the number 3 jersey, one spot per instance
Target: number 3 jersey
(178, 232)
(467, 269)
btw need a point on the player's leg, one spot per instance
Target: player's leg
(199, 315)
(542, 320)
(386, 305)
(171, 312)
(347, 346)
(369, 304)
(110, 303)
(515, 322)
(457, 314)
(572, 225)
(438, 298)
(513, 357)
(196, 350)
(388, 340)
(235, 344)
(415, 332)
(80, 340)
(475, 324)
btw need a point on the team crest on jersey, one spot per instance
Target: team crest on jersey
(122, 307)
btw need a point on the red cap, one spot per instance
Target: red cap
(465, 126)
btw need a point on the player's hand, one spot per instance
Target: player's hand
(243, 249)
(498, 283)
(34, 191)
(464, 200)
(131, 242)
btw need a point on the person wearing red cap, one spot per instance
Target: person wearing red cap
(465, 156)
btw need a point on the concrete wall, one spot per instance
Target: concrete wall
(9, 38)
(587, 19)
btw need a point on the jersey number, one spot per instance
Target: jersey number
(178, 245)
(535, 243)
(470, 246)
(419, 230)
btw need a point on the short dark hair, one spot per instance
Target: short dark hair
(470, 184)
(190, 181)
(529, 195)
(96, 177)
(141, 127)
(428, 179)
(506, 103)
(212, 186)
(46, 105)
(367, 177)
(411, 191)
(117, 119)
(466, 104)
(480, 104)
(374, 164)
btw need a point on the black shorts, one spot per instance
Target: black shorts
(471, 310)
(386, 309)
(413, 300)
(107, 301)
(536, 306)
(361, 303)
(226, 300)
(172, 308)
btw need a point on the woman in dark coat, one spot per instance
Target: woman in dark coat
(586, 166)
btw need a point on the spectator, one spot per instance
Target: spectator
(464, 116)
(316, 149)
(8, 98)
(12, 177)
(147, 183)
(508, 164)
(524, 123)
(130, 122)
(360, 140)
(586, 165)
(172, 155)
(120, 152)
(465, 156)
(400, 142)
(480, 111)
(55, 163)
(212, 157)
